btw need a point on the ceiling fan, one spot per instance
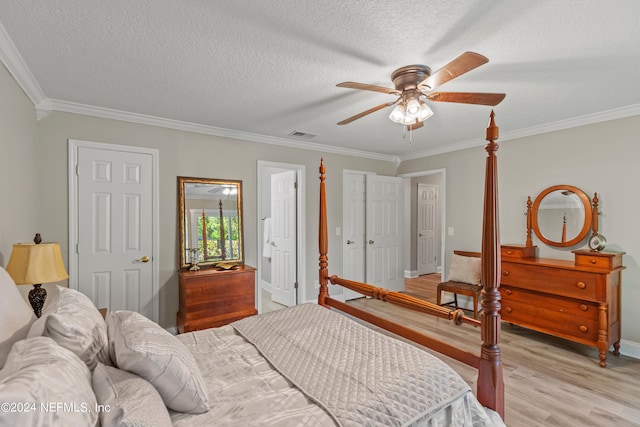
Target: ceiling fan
(413, 86)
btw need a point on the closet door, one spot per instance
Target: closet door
(353, 223)
(384, 213)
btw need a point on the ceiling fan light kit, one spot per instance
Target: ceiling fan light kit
(413, 84)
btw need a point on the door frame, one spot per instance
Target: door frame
(442, 212)
(301, 293)
(73, 146)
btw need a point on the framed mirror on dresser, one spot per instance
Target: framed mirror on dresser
(576, 299)
(215, 286)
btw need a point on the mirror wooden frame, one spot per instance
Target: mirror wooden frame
(586, 226)
(216, 185)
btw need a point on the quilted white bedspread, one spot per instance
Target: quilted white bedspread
(344, 374)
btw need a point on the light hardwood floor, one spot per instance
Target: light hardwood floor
(548, 381)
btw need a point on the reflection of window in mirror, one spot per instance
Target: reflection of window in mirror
(210, 220)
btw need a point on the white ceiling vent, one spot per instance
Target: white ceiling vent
(305, 135)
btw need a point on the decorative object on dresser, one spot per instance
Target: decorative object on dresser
(34, 264)
(579, 299)
(213, 297)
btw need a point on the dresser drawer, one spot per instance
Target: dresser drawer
(598, 259)
(551, 316)
(552, 304)
(517, 251)
(568, 283)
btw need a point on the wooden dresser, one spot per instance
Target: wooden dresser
(574, 299)
(209, 298)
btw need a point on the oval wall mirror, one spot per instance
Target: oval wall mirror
(561, 216)
(210, 221)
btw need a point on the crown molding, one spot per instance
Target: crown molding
(88, 110)
(16, 66)
(616, 113)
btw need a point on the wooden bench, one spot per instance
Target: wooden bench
(459, 288)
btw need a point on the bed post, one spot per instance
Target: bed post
(490, 377)
(322, 241)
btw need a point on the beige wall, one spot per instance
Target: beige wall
(196, 155)
(20, 208)
(600, 158)
(596, 158)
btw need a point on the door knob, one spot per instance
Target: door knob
(420, 234)
(371, 242)
(143, 259)
(349, 242)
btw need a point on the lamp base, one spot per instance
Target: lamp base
(37, 296)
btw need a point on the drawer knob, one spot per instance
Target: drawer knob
(508, 291)
(583, 328)
(581, 285)
(592, 261)
(505, 273)
(509, 252)
(508, 309)
(584, 307)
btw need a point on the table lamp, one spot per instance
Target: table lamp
(35, 264)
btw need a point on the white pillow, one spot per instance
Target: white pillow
(127, 399)
(16, 317)
(74, 322)
(465, 269)
(47, 385)
(138, 345)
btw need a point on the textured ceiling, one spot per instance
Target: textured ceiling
(261, 70)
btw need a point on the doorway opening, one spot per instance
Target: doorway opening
(424, 238)
(280, 225)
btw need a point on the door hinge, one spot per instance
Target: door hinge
(77, 169)
(295, 185)
(295, 285)
(77, 248)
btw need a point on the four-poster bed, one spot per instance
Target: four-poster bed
(302, 365)
(490, 385)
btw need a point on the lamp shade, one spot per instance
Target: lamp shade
(31, 264)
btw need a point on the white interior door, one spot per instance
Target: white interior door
(115, 227)
(283, 236)
(353, 222)
(384, 215)
(427, 221)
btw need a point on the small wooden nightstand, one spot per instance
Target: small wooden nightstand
(209, 298)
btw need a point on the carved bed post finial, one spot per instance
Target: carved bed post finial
(322, 240)
(490, 376)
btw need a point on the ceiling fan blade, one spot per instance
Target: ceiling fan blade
(462, 64)
(415, 126)
(364, 86)
(467, 97)
(369, 111)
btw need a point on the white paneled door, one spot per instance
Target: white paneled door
(115, 220)
(384, 213)
(427, 221)
(353, 223)
(284, 239)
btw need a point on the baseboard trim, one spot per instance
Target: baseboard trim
(410, 274)
(266, 286)
(630, 348)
